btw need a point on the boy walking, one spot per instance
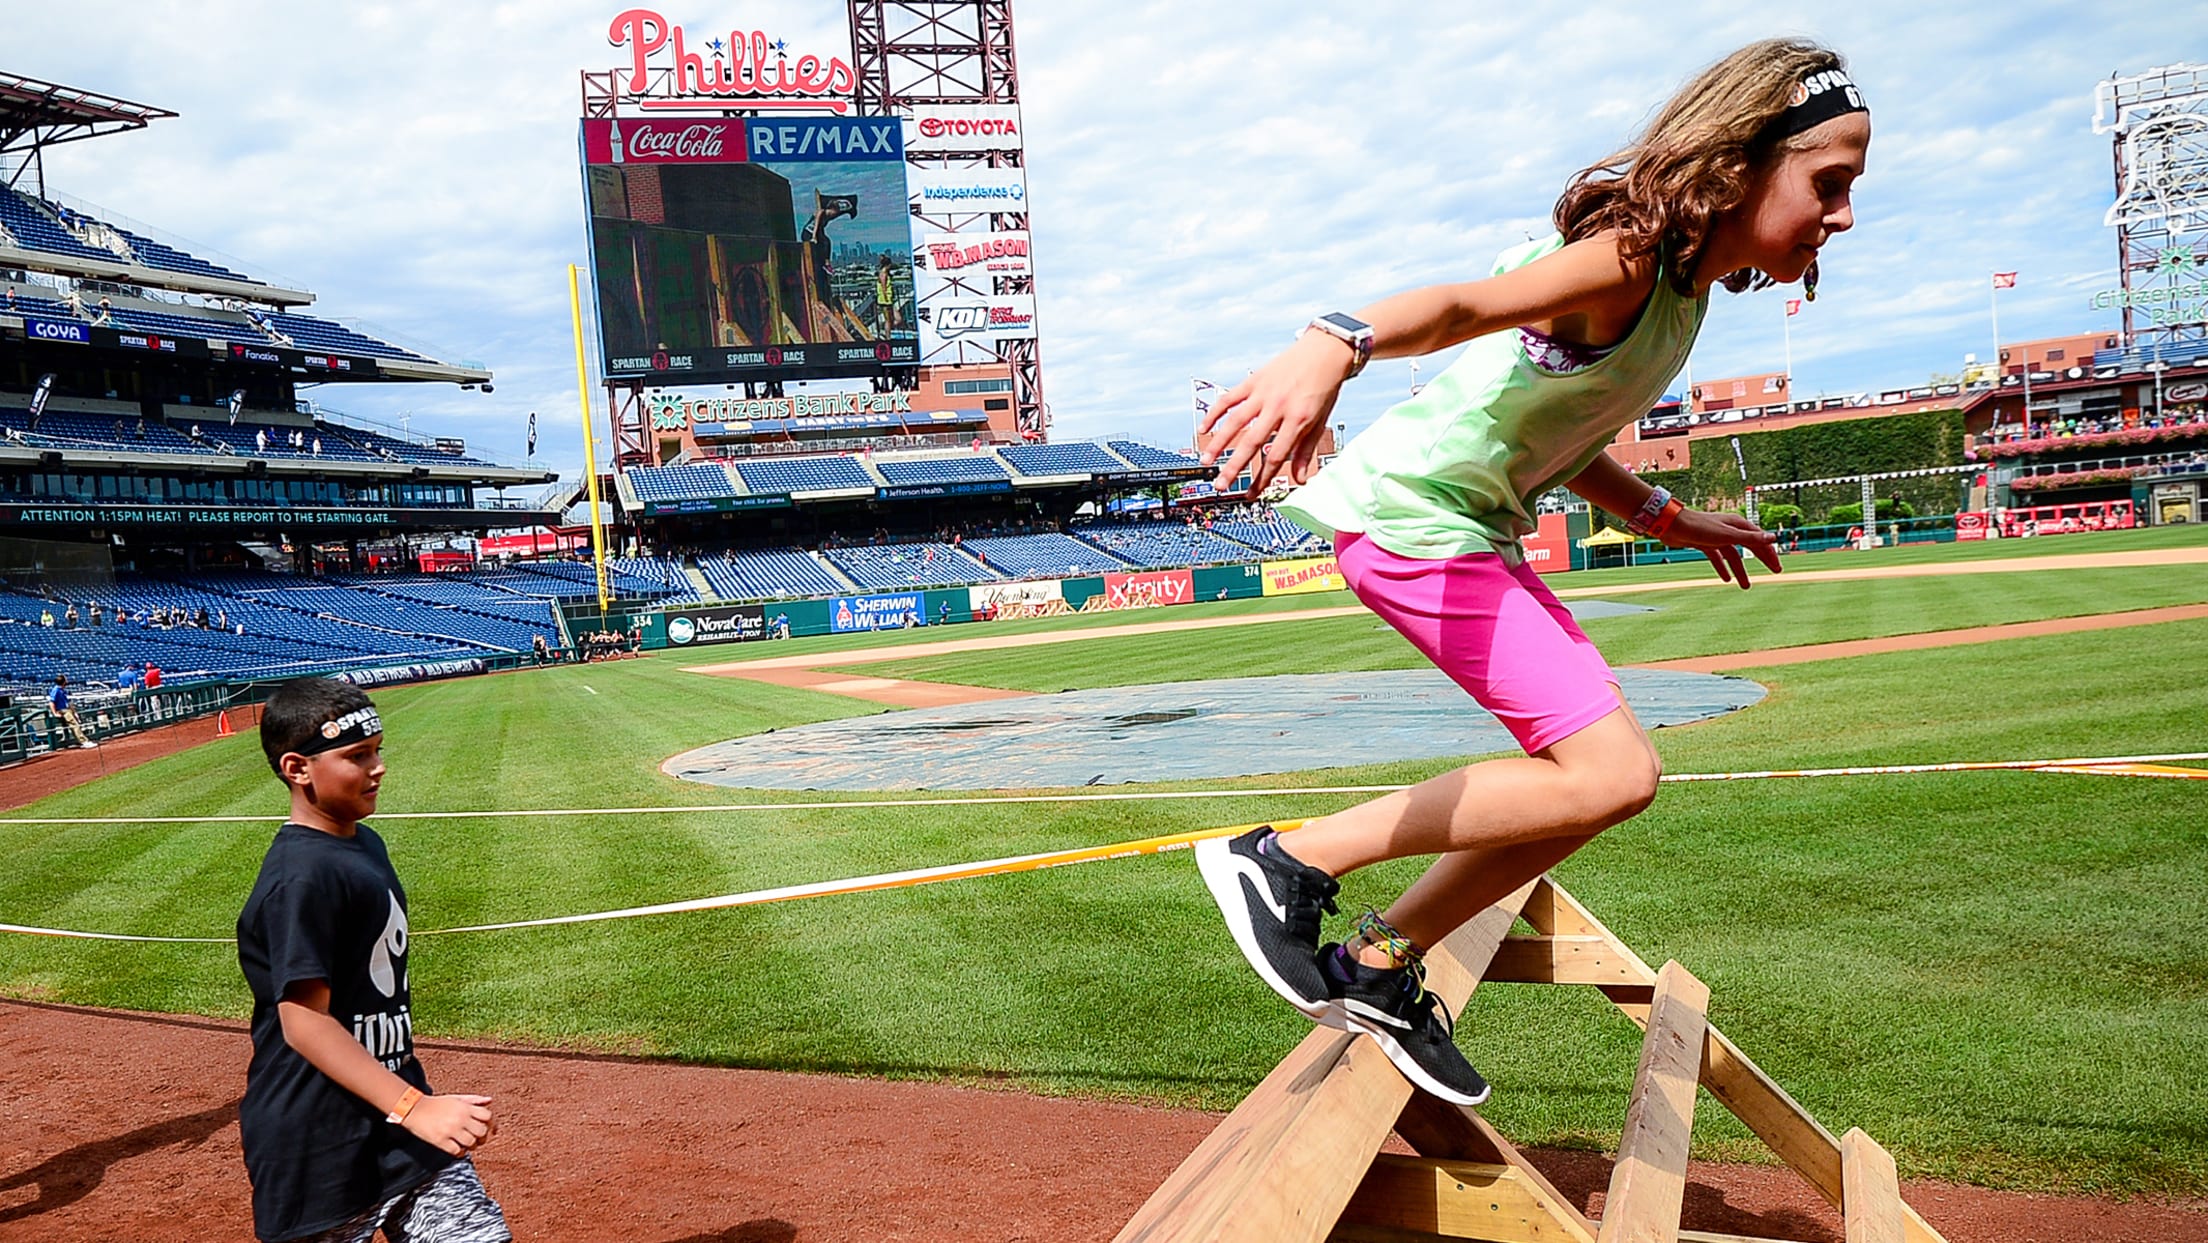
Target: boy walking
(341, 1135)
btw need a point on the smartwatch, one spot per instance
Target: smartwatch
(1350, 331)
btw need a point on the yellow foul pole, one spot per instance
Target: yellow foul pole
(590, 442)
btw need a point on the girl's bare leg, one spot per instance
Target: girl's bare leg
(1496, 824)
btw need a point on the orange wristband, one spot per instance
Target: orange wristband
(1665, 517)
(407, 1101)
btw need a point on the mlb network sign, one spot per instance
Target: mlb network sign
(963, 127)
(1001, 318)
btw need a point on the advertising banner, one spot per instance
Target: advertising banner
(998, 318)
(1228, 582)
(1970, 525)
(57, 330)
(416, 671)
(755, 248)
(734, 623)
(937, 128)
(1302, 576)
(992, 601)
(969, 191)
(968, 255)
(890, 612)
(1148, 588)
(1549, 549)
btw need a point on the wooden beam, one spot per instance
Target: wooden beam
(1562, 960)
(1453, 1200)
(1870, 1191)
(1649, 1183)
(1444, 1131)
(1283, 1165)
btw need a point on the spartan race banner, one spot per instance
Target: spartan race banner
(736, 623)
(417, 671)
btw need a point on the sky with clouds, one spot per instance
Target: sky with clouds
(1204, 177)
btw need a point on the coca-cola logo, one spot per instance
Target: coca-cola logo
(687, 142)
(958, 127)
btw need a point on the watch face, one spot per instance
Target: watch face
(1346, 323)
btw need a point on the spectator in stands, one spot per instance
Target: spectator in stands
(222, 619)
(151, 678)
(126, 678)
(318, 446)
(57, 706)
(260, 440)
(70, 617)
(93, 616)
(539, 651)
(46, 618)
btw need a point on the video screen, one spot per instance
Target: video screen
(762, 248)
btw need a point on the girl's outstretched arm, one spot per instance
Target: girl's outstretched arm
(1720, 537)
(1271, 421)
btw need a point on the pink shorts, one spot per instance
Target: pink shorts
(1495, 629)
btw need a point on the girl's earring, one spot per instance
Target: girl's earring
(1809, 282)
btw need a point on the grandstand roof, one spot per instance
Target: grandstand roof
(28, 105)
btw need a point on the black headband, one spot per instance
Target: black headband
(359, 725)
(1818, 98)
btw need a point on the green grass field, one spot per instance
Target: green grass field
(2003, 976)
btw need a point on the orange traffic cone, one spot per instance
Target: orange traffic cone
(222, 725)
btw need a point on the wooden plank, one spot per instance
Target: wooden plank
(1281, 1167)
(1561, 960)
(1439, 1129)
(1453, 1200)
(1649, 1182)
(1730, 1075)
(1870, 1191)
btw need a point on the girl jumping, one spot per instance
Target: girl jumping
(1740, 180)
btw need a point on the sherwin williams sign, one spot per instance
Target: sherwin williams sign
(878, 612)
(731, 624)
(1303, 576)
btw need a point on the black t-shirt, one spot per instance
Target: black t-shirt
(326, 908)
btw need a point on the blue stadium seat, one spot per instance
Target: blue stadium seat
(1149, 458)
(1162, 544)
(689, 481)
(802, 474)
(773, 574)
(897, 567)
(965, 468)
(1041, 556)
(1073, 458)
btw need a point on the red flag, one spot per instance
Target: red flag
(2004, 280)
(1793, 306)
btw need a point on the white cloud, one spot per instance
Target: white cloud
(1206, 175)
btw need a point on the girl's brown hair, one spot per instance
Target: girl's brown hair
(1665, 190)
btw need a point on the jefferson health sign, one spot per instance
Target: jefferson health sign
(763, 248)
(738, 623)
(878, 612)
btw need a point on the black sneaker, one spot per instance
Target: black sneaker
(1412, 1026)
(1272, 905)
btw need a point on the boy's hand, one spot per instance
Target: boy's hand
(1285, 403)
(1721, 537)
(456, 1123)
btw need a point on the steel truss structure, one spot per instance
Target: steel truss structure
(2159, 121)
(921, 52)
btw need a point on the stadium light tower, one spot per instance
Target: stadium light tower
(2159, 121)
(909, 52)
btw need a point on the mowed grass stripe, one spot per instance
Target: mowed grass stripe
(2003, 972)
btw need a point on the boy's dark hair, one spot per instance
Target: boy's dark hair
(293, 717)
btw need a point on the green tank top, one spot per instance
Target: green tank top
(1456, 468)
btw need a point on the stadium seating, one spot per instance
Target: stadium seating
(1072, 458)
(802, 474)
(35, 227)
(966, 468)
(310, 333)
(171, 324)
(773, 574)
(897, 567)
(1146, 457)
(1162, 544)
(155, 254)
(1041, 556)
(689, 481)
(1272, 535)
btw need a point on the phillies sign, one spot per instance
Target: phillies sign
(740, 70)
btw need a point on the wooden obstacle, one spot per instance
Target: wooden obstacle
(1300, 1159)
